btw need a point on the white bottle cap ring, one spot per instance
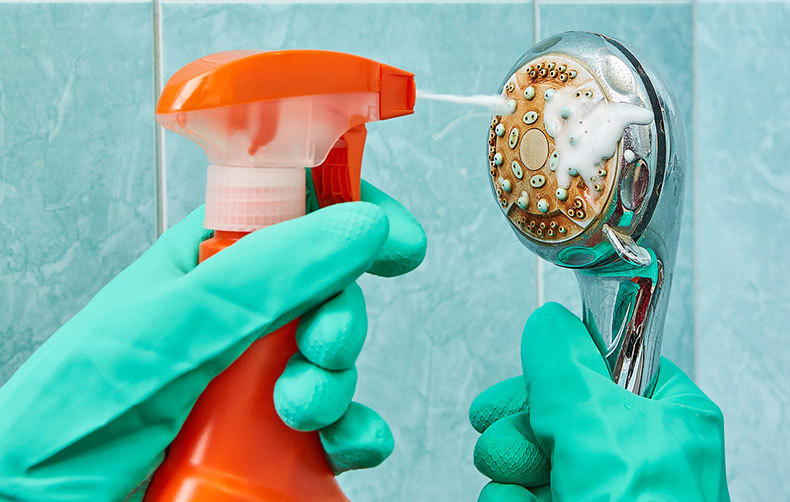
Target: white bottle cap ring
(245, 199)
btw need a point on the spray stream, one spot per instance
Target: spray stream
(496, 104)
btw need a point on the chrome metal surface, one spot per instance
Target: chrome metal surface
(624, 249)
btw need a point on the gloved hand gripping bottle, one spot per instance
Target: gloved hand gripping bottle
(262, 117)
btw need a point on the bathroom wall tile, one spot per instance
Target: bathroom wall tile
(744, 184)
(76, 160)
(443, 333)
(663, 34)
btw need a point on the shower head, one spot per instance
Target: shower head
(588, 169)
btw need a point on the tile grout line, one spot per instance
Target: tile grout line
(695, 194)
(160, 185)
(538, 262)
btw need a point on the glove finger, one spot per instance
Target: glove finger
(558, 354)
(499, 492)
(333, 334)
(571, 393)
(308, 397)
(507, 452)
(406, 245)
(360, 439)
(498, 401)
(278, 273)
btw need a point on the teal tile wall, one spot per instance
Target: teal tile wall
(77, 201)
(645, 27)
(743, 353)
(436, 338)
(76, 153)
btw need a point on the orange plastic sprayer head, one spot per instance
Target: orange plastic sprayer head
(283, 109)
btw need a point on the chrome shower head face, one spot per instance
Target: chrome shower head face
(589, 165)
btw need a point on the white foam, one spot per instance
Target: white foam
(586, 129)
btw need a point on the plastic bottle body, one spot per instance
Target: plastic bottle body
(234, 447)
(220, 240)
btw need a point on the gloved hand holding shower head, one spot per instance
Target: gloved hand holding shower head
(588, 169)
(565, 431)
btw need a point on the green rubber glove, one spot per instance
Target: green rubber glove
(89, 415)
(566, 423)
(316, 387)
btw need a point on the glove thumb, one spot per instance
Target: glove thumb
(557, 352)
(565, 376)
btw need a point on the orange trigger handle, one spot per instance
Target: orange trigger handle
(337, 179)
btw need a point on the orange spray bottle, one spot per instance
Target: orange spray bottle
(262, 117)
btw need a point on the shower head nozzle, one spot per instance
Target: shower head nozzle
(591, 160)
